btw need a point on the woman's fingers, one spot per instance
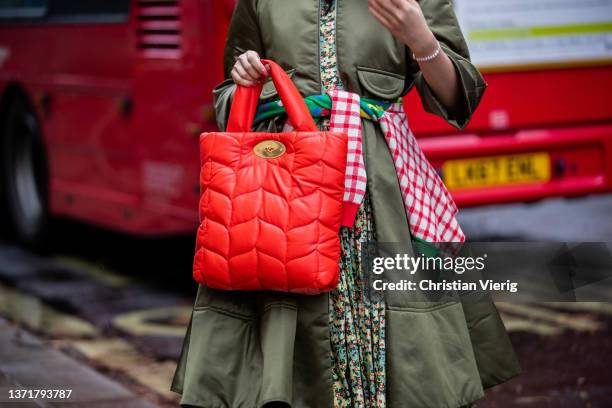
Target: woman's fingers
(403, 4)
(382, 19)
(242, 82)
(240, 77)
(385, 9)
(255, 63)
(404, 8)
(404, 19)
(248, 69)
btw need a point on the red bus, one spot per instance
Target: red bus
(544, 127)
(102, 103)
(101, 106)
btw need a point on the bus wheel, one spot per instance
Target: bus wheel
(24, 173)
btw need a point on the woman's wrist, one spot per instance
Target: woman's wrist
(426, 46)
(432, 56)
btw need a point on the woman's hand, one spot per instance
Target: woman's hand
(405, 20)
(248, 69)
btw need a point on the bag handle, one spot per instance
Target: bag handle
(246, 98)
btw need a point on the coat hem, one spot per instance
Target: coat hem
(504, 379)
(269, 400)
(185, 403)
(178, 390)
(466, 401)
(194, 404)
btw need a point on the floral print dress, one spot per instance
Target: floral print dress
(357, 322)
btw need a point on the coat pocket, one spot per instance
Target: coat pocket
(431, 362)
(380, 84)
(222, 363)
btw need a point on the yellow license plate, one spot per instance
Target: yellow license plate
(496, 170)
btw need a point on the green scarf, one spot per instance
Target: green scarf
(320, 107)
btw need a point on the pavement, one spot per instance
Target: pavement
(113, 309)
(116, 324)
(587, 219)
(28, 362)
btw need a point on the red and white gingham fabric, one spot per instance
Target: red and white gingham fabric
(344, 118)
(430, 208)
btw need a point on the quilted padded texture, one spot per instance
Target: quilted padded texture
(270, 224)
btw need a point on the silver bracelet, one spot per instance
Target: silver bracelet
(429, 57)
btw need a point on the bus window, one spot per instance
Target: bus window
(72, 8)
(65, 11)
(88, 11)
(22, 8)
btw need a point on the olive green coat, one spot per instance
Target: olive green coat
(244, 349)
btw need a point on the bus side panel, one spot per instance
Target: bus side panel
(78, 77)
(580, 161)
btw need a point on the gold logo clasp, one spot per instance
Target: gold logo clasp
(269, 149)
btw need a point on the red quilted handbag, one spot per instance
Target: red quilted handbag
(271, 203)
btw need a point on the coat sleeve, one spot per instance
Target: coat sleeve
(443, 23)
(243, 35)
